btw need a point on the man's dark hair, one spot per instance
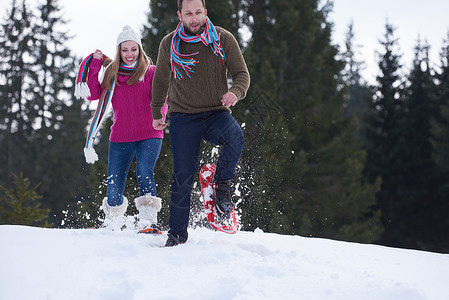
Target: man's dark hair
(180, 4)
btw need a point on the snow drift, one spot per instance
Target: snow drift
(55, 264)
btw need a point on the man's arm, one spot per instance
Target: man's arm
(236, 67)
(161, 80)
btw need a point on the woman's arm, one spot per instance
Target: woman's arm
(92, 79)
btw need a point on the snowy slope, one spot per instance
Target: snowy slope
(54, 264)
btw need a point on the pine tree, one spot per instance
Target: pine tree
(16, 48)
(309, 161)
(384, 132)
(359, 91)
(440, 125)
(39, 76)
(61, 154)
(21, 206)
(440, 147)
(419, 208)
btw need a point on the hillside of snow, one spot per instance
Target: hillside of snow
(55, 264)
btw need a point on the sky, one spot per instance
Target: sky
(412, 19)
(96, 24)
(99, 264)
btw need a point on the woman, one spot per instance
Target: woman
(126, 85)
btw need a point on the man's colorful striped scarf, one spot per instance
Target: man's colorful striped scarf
(82, 90)
(184, 61)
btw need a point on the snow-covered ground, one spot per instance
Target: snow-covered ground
(55, 264)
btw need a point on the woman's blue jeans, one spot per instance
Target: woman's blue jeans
(186, 133)
(119, 160)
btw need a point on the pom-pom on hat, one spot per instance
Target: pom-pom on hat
(128, 34)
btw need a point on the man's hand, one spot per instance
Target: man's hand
(159, 124)
(229, 99)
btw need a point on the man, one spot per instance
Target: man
(191, 74)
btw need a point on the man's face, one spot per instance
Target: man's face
(193, 16)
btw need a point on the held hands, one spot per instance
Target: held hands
(229, 99)
(159, 124)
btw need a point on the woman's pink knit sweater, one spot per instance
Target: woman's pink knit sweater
(131, 106)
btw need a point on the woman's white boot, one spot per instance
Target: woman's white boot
(148, 207)
(114, 215)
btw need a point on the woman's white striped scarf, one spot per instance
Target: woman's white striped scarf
(82, 90)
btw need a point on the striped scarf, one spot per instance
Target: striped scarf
(82, 90)
(184, 61)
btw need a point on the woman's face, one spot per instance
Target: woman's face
(129, 52)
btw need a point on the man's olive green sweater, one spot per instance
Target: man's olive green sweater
(202, 91)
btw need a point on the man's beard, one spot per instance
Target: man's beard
(200, 30)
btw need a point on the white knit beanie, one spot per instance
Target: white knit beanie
(128, 34)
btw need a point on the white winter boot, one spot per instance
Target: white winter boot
(148, 207)
(114, 215)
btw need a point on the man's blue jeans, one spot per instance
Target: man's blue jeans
(119, 161)
(186, 133)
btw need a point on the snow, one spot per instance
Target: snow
(53, 264)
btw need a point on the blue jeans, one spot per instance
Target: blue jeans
(120, 157)
(186, 133)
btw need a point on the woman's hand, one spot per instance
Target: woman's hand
(98, 54)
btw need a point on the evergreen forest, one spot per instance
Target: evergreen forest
(326, 154)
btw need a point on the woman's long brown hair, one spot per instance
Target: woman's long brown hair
(143, 61)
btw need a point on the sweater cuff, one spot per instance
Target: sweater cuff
(156, 113)
(238, 92)
(96, 64)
